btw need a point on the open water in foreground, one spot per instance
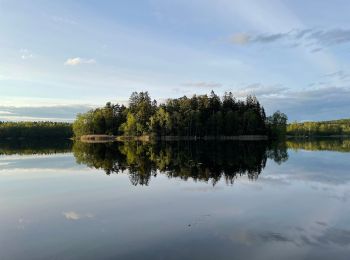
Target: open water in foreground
(213, 200)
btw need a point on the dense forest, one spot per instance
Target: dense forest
(36, 130)
(198, 116)
(322, 128)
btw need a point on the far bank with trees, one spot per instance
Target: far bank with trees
(332, 128)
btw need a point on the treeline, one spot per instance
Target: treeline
(37, 130)
(196, 116)
(322, 128)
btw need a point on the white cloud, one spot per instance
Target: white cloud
(78, 61)
(258, 89)
(72, 215)
(63, 20)
(61, 113)
(25, 54)
(240, 38)
(2, 112)
(33, 118)
(203, 84)
(310, 37)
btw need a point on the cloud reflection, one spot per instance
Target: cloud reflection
(73, 215)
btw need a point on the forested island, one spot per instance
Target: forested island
(200, 116)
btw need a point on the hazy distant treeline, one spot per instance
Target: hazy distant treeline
(201, 115)
(322, 128)
(35, 130)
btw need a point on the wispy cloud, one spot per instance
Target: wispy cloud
(78, 61)
(26, 54)
(62, 113)
(240, 38)
(338, 75)
(310, 37)
(323, 100)
(72, 215)
(203, 84)
(319, 235)
(5, 113)
(63, 20)
(317, 103)
(259, 89)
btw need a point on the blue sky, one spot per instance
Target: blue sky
(58, 58)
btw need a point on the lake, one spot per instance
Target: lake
(175, 200)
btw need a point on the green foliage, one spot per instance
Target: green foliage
(131, 126)
(196, 116)
(160, 122)
(323, 128)
(106, 120)
(142, 108)
(36, 130)
(277, 124)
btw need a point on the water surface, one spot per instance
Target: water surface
(213, 200)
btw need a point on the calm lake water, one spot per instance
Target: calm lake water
(223, 200)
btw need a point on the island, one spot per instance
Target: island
(205, 117)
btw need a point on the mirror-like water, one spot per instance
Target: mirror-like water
(181, 200)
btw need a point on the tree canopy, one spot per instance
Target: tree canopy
(200, 115)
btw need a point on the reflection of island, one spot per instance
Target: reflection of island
(202, 161)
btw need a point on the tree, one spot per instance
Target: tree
(160, 122)
(277, 124)
(130, 127)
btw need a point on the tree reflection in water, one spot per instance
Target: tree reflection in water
(200, 161)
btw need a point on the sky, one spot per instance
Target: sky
(59, 58)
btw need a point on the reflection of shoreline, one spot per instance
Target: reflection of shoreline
(318, 144)
(306, 137)
(35, 146)
(215, 138)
